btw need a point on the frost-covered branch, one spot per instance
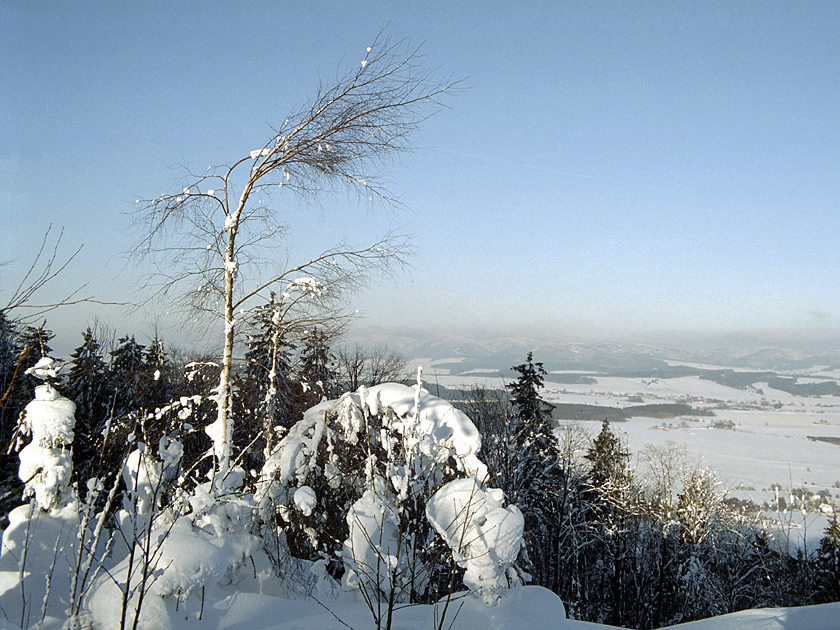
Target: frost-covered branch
(46, 266)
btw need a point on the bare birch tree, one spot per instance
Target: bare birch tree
(371, 366)
(210, 239)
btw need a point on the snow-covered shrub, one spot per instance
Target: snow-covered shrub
(352, 479)
(174, 543)
(372, 555)
(168, 583)
(148, 484)
(37, 549)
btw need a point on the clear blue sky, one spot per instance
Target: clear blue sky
(611, 170)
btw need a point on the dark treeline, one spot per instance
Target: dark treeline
(618, 549)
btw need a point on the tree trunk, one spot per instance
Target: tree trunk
(223, 434)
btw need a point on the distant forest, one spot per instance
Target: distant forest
(570, 411)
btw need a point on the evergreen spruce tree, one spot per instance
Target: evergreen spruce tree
(828, 564)
(85, 381)
(127, 368)
(610, 505)
(11, 376)
(609, 463)
(534, 475)
(532, 415)
(266, 395)
(318, 371)
(86, 384)
(157, 381)
(12, 399)
(36, 339)
(525, 397)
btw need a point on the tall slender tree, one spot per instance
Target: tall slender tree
(609, 495)
(11, 370)
(86, 380)
(317, 366)
(828, 565)
(157, 385)
(220, 221)
(86, 384)
(267, 393)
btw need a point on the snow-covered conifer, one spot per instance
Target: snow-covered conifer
(828, 565)
(127, 367)
(46, 462)
(532, 476)
(318, 368)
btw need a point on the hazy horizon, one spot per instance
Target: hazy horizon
(68, 337)
(690, 341)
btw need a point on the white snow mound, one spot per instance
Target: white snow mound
(484, 536)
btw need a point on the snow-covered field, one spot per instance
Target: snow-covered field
(769, 442)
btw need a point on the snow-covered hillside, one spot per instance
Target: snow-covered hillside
(177, 555)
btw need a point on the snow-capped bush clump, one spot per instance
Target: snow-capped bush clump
(184, 560)
(191, 557)
(483, 534)
(173, 544)
(37, 549)
(46, 463)
(351, 480)
(440, 430)
(433, 429)
(146, 477)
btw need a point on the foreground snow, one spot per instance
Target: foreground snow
(825, 617)
(530, 607)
